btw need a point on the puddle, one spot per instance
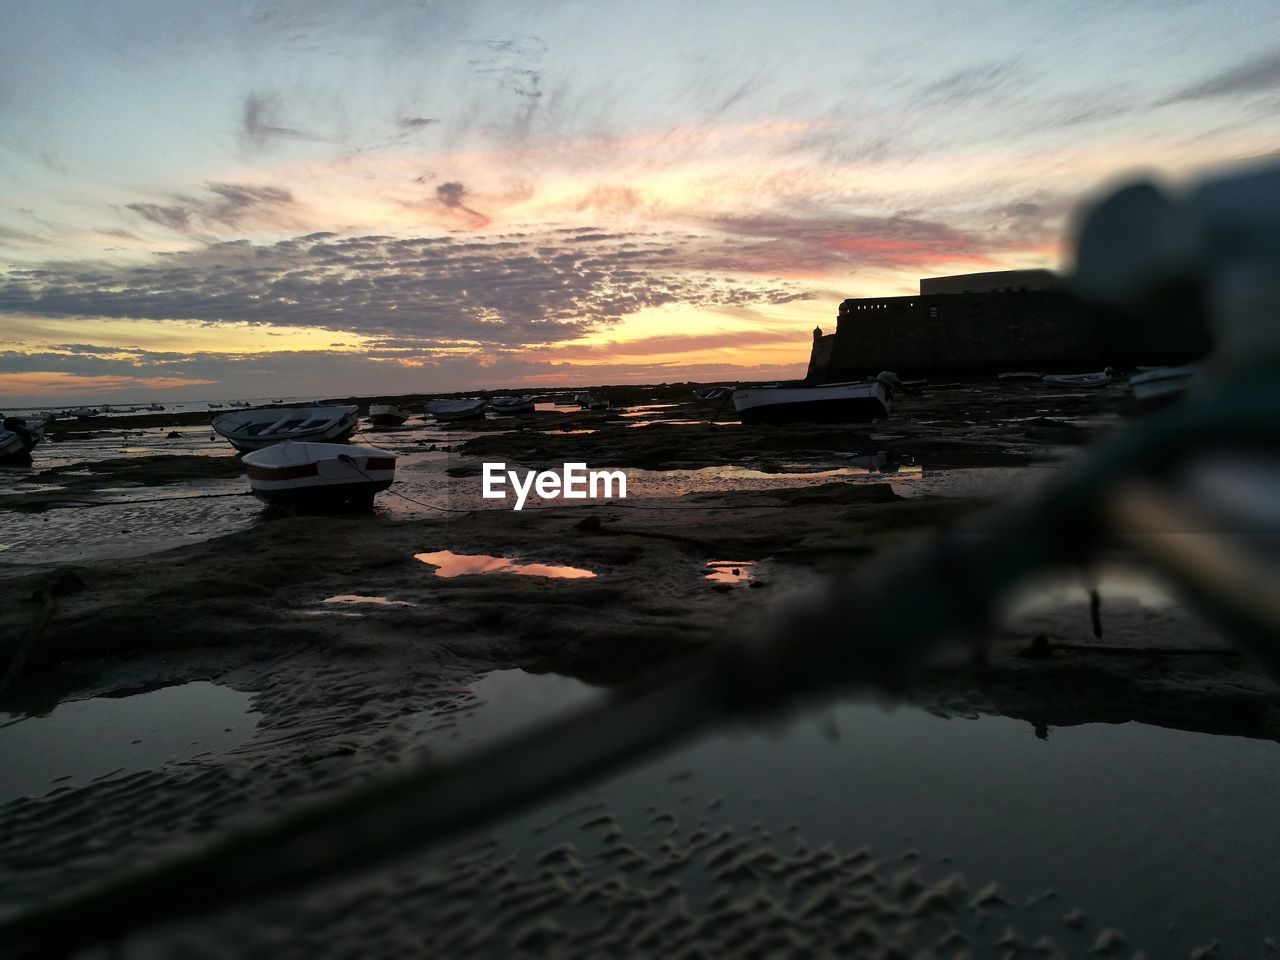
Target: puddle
(557, 408)
(729, 571)
(105, 737)
(345, 598)
(1129, 823)
(568, 433)
(450, 564)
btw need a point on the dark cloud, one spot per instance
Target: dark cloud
(539, 289)
(1259, 75)
(225, 205)
(261, 125)
(452, 194)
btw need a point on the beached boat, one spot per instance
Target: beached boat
(587, 402)
(1161, 385)
(828, 403)
(470, 408)
(153, 406)
(319, 475)
(1020, 376)
(387, 414)
(714, 393)
(509, 405)
(84, 413)
(1078, 381)
(18, 437)
(263, 427)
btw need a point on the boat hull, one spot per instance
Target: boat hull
(507, 409)
(248, 433)
(447, 412)
(387, 415)
(838, 403)
(18, 438)
(308, 476)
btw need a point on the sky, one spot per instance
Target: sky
(311, 198)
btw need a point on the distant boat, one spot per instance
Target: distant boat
(215, 406)
(1019, 376)
(714, 393)
(511, 405)
(587, 402)
(84, 413)
(263, 427)
(153, 406)
(1161, 385)
(18, 437)
(319, 475)
(387, 414)
(828, 403)
(1078, 381)
(471, 408)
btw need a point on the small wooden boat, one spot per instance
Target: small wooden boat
(18, 437)
(1078, 381)
(828, 403)
(470, 408)
(714, 393)
(512, 405)
(387, 414)
(1161, 385)
(265, 426)
(319, 475)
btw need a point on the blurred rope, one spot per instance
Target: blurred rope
(869, 627)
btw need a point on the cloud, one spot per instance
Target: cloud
(415, 123)
(1259, 75)
(261, 125)
(797, 244)
(451, 196)
(508, 289)
(225, 205)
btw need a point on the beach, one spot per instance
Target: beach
(326, 650)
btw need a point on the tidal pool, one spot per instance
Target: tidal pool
(1167, 836)
(100, 738)
(450, 564)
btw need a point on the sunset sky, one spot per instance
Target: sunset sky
(261, 198)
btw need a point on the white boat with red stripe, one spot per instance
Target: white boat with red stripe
(319, 475)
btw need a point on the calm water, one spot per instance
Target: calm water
(103, 737)
(1169, 836)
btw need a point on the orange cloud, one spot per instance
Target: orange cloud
(54, 384)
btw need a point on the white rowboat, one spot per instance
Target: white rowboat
(828, 403)
(387, 414)
(266, 426)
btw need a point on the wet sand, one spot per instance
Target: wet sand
(146, 587)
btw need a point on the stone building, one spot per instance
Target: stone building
(988, 322)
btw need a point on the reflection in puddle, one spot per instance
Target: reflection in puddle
(450, 564)
(358, 598)
(1124, 821)
(568, 433)
(1115, 582)
(109, 736)
(729, 571)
